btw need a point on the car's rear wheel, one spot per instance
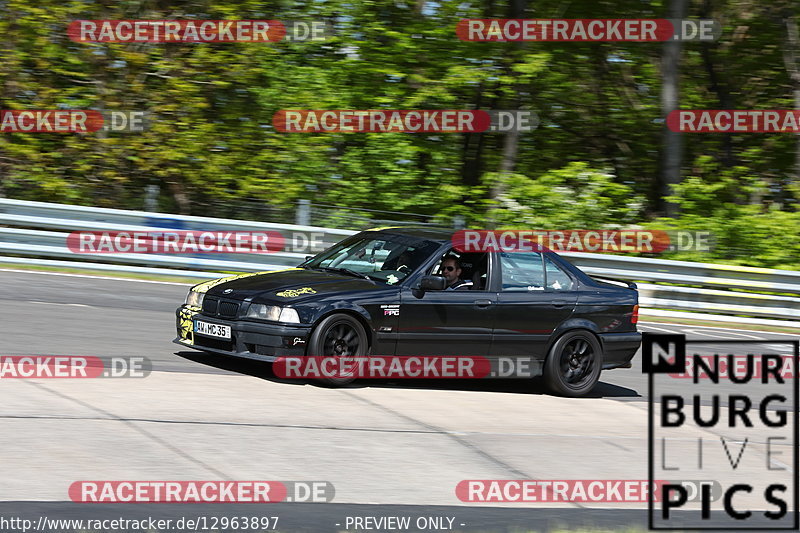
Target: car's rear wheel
(339, 336)
(573, 364)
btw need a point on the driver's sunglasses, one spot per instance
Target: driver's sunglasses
(448, 269)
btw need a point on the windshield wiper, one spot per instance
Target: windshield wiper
(346, 271)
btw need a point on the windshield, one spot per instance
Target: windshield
(390, 258)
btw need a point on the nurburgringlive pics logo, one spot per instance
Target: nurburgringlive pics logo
(723, 410)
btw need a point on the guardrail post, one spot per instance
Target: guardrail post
(303, 215)
(458, 222)
(151, 198)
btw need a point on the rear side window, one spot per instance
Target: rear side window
(522, 271)
(557, 279)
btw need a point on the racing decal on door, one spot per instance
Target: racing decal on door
(391, 310)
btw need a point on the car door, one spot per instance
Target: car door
(446, 322)
(535, 296)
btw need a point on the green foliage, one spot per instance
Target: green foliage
(741, 233)
(573, 197)
(592, 162)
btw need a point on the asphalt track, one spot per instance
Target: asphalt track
(388, 447)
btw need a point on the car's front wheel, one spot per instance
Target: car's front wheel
(573, 364)
(339, 336)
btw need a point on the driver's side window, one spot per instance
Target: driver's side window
(473, 269)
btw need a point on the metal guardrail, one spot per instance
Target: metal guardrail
(689, 273)
(41, 229)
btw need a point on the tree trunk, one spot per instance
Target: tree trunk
(790, 53)
(472, 159)
(516, 10)
(718, 86)
(507, 164)
(672, 154)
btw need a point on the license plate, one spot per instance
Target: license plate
(212, 330)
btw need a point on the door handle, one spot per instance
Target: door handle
(559, 303)
(483, 303)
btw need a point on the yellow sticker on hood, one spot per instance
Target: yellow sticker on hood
(292, 293)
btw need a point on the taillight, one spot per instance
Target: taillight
(635, 314)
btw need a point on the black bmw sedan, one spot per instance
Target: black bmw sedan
(410, 292)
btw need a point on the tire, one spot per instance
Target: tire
(339, 335)
(573, 364)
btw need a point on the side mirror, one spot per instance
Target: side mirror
(309, 257)
(433, 283)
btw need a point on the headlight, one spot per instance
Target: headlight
(195, 299)
(264, 312)
(274, 313)
(289, 315)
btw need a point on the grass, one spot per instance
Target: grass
(643, 317)
(108, 274)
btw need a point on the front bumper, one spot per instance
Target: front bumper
(619, 348)
(252, 340)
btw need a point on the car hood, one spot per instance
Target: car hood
(292, 285)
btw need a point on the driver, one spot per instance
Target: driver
(451, 270)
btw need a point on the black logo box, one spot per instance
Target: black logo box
(679, 342)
